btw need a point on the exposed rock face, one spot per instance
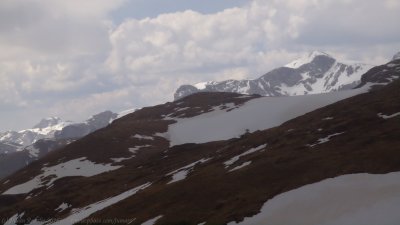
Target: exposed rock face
(315, 73)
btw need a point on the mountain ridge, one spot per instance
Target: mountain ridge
(317, 72)
(129, 169)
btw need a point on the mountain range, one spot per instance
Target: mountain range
(19, 148)
(228, 158)
(316, 72)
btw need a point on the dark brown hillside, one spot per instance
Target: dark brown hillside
(369, 144)
(363, 142)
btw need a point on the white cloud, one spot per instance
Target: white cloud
(58, 55)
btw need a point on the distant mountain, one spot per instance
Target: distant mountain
(18, 149)
(396, 56)
(44, 129)
(6, 147)
(23, 156)
(382, 75)
(227, 158)
(78, 130)
(314, 73)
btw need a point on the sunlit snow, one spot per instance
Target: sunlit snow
(76, 167)
(138, 136)
(305, 59)
(82, 213)
(63, 207)
(345, 200)
(248, 152)
(381, 115)
(325, 139)
(152, 221)
(240, 166)
(258, 114)
(181, 173)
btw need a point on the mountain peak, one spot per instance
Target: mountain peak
(308, 58)
(48, 122)
(396, 56)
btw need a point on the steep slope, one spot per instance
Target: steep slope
(129, 170)
(314, 73)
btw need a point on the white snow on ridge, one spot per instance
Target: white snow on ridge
(325, 139)
(181, 173)
(63, 207)
(257, 114)
(248, 152)
(125, 112)
(345, 200)
(76, 167)
(381, 115)
(152, 221)
(82, 213)
(137, 148)
(240, 166)
(305, 59)
(201, 85)
(145, 137)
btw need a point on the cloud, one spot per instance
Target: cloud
(70, 59)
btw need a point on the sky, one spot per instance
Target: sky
(74, 58)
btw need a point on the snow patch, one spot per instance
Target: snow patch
(82, 213)
(152, 221)
(138, 136)
(76, 167)
(325, 139)
(14, 219)
(248, 152)
(381, 115)
(137, 148)
(345, 200)
(201, 86)
(305, 59)
(240, 166)
(63, 207)
(181, 173)
(125, 112)
(33, 152)
(133, 150)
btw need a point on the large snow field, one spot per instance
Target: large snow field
(365, 199)
(258, 114)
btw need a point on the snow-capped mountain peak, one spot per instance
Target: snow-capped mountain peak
(314, 73)
(306, 59)
(396, 56)
(48, 122)
(44, 129)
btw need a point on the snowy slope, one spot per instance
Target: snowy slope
(76, 167)
(314, 73)
(257, 114)
(345, 200)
